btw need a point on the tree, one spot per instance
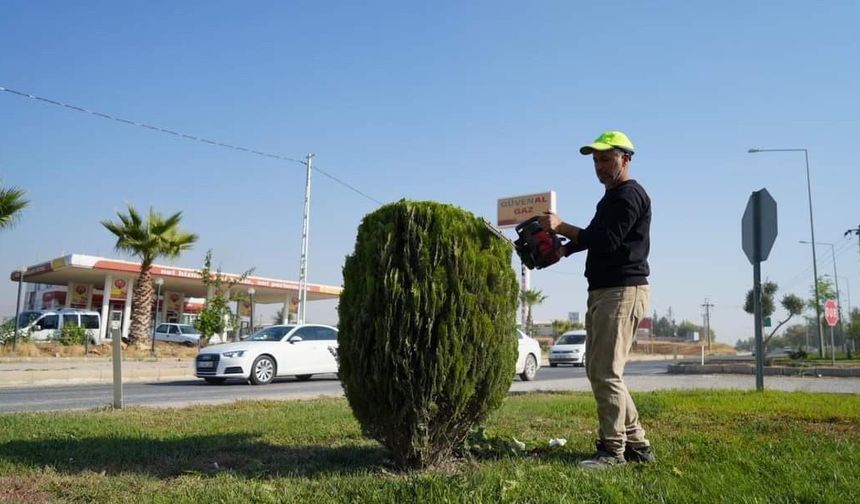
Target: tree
(216, 315)
(825, 291)
(11, 203)
(687, 327)
(664, 326)
(560, 327)
(427, 343)
(853, 330)
(744, 345)
(147, 240)
(790, 303)
(796, 336)
(278, 318)
(530, 298)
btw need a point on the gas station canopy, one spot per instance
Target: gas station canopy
(84, 269)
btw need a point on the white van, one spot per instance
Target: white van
(44, 325)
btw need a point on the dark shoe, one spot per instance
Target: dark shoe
(602, 459)
(641, 454)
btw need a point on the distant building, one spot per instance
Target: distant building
(690, 336)
(542, 328)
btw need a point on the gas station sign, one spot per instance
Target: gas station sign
(516, 209)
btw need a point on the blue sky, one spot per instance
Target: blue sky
(460, 102)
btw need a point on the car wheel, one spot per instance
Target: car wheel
(263, 370)
(530, 368)
(215, 381)
(303, 377)
(553, 364)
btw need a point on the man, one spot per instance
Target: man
(617, 241)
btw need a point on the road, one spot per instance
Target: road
(640, 376)
(187, 392)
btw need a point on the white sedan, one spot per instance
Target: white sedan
(528, 357)
(177, 333)
(280, 350)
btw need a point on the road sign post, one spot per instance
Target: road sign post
(831, 315)
(758, 232)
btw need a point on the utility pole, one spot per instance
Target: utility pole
(707, 306)
(303, 268)
(855, 231)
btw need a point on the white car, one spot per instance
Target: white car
(177, 333)
(569, 348)
(280, 350)
(528, 357)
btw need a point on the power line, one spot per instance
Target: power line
(348, 186)
(186, 136)
(840, 249)
(821, 264)
(149, 126)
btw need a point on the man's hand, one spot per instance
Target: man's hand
(550, 221)
(553, 223)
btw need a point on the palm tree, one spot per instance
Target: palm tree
(11, 203)
(530, 298)
(148, 240)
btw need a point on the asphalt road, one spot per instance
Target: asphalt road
(187, 392)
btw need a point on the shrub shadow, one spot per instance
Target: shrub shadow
(238, 382)
(565, 456)
(240, 454)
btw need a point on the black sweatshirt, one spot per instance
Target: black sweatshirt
(618, 238)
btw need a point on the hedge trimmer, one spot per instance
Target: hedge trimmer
(537, 247)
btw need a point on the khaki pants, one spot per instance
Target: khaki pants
(611, 321)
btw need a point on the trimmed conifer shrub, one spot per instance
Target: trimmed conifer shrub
(427, 343)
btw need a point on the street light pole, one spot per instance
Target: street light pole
(159, 282)
(18, 309)
(812, 246)
(251, 293)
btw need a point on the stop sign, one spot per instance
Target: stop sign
(831, 312)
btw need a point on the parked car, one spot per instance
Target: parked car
(44, 325)
(177, 333)
(529, 356)
(279, 350)
(569, 348)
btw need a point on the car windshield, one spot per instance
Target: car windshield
(274, 333)
(571, 339)
(188, 329)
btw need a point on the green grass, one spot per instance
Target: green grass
(711, 447)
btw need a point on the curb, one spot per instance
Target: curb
(768, 371)
(73, 372)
